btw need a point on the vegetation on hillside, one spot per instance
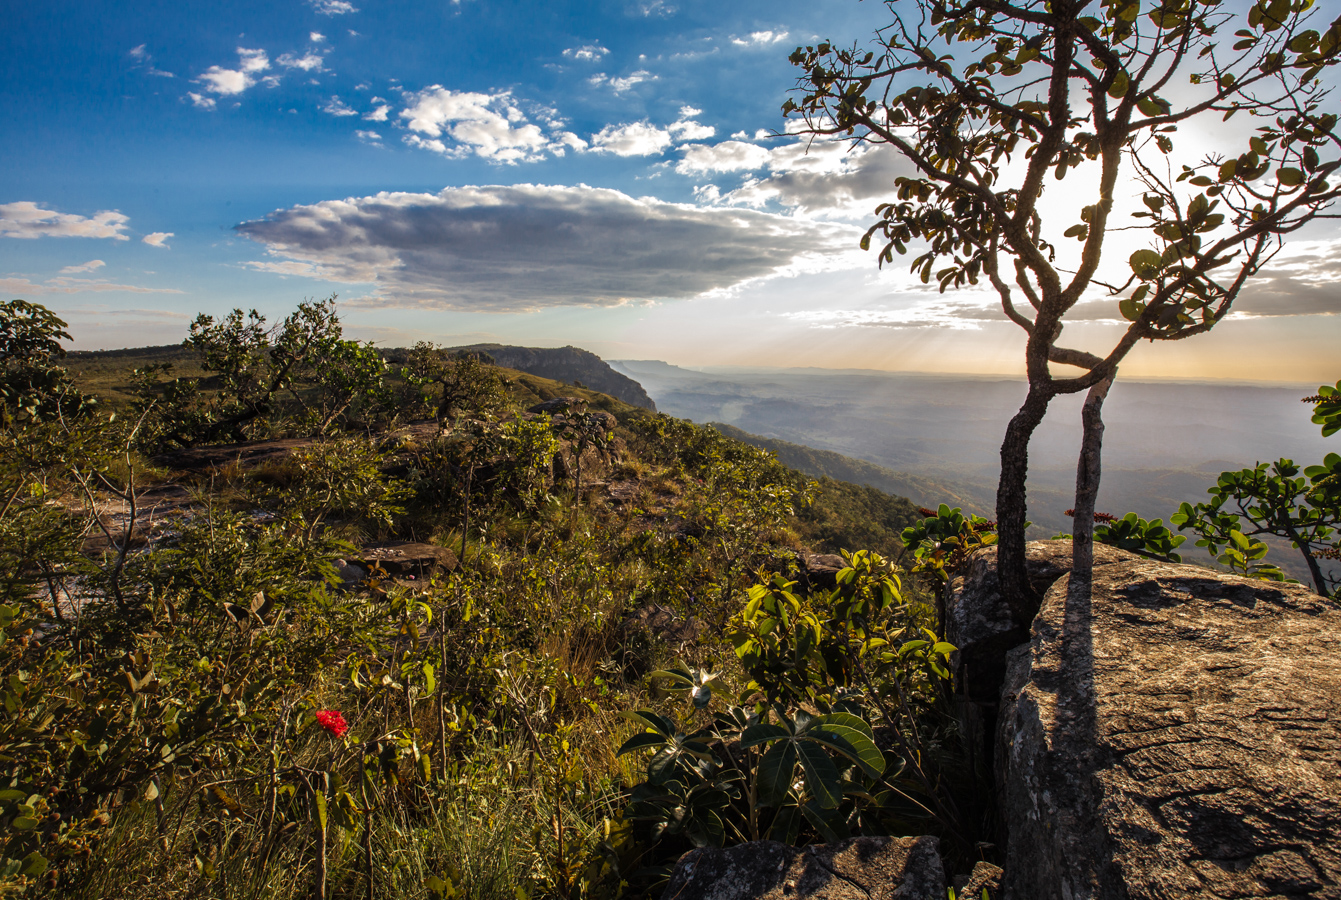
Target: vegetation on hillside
(375, 657)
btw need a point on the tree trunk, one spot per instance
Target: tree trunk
(1087, 483)
(1011, 507)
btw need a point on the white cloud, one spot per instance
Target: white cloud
(65, 285)
(620, 85)
(316, 37)
(253, 60)
(310, 61)
(337, 107)
(524, 247)
(146, 62)
(586, 53)
(823, 176)
(379, 114)
(369, 137)
(201, 101)
(489, 125)
(157, 239)
(728, 156)
(632, 139)
(219, 80)
(760, 38)
(333, 7)
(958, 314)
(83, 267)
(686, 129)
(655, 8)
(25, 219)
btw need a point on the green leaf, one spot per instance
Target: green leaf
(860, 748)
(822, 778)
(319, 797)
(649, 719)
(762, 733)
(640, 741)
(1145, 263)
(773, 778)
(1121, 83)
(1289, 176)
(34, 864)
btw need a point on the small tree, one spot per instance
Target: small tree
(1042, 88)
(454, 381)
(305, 359)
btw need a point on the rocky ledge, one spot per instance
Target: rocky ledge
(1174, 733)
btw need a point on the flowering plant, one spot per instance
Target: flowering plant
(333, 721)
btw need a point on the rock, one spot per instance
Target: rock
(401, 559)
(349, 573)
(1179, 735)
(978, 621)
(820, 570)
(602, 421)
(863, 868)
(984, 877)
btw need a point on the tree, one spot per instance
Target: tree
(305, 358)
(1042, 87)
(454, 381)
(33, 386)
(1300, 504)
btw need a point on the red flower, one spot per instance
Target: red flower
(333, 721)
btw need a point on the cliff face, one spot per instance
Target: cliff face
(570, 364)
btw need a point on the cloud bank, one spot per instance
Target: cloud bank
(25, 219)
(527, 247)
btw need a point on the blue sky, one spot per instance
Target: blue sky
(602, 174)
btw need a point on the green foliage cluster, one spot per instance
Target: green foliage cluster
(1301, 505)
(942, 540)
(833, 734)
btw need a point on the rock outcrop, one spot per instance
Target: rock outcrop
(864, 868)
(570, 364)
(1174, 733)
(404, 559)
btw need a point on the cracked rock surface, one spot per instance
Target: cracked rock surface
(1176, 734)
(863, 868)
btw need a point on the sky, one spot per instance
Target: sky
(614, 175)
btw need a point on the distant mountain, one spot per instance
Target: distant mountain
(571, 365)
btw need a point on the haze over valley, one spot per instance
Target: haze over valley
(1165, 441)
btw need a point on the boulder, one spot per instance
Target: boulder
(401, 559)
(983, 883)
(979, 622)
(1174, 732)
(863, 868)
(820, 570)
